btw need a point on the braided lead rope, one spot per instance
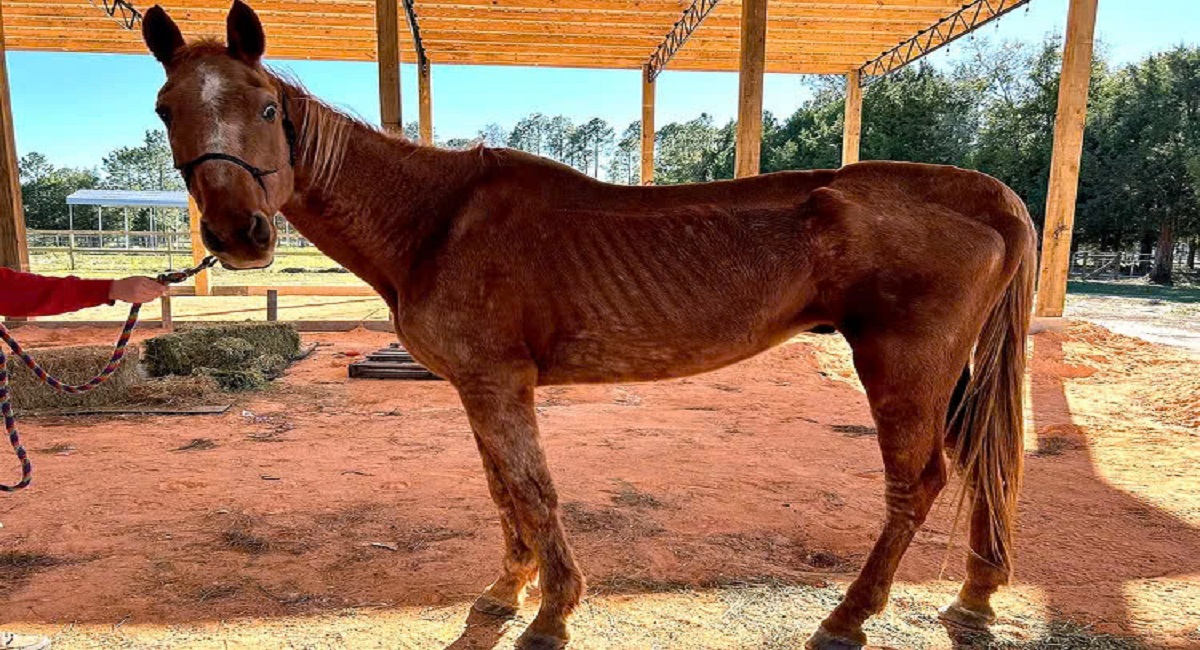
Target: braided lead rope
(114, 362)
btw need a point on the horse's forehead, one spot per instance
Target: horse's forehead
(214, 77)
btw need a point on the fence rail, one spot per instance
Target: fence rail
(1110, 265)
(139, 242)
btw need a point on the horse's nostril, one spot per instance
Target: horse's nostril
(211, 241)
(260, 230)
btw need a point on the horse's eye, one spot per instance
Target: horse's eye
(164, 114)
(269, 112)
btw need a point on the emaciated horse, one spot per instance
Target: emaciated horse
(505, 271)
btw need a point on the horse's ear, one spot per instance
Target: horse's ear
(161, 34)
(244, 32)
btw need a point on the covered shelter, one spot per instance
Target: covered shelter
(860, 39)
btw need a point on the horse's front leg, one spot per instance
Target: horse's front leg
(501, 411)
(504, 596)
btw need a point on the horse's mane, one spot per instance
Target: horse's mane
(324, 130)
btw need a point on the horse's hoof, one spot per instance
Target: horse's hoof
(533, 641)
(823, 640)
(485, 604)
(961, 616)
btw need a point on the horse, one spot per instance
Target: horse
(505, 271)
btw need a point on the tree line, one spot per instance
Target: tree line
(993, 110)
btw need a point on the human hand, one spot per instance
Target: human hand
(136, 290)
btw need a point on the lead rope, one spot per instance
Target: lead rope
(114, 362)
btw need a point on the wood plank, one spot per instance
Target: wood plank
(198, 252)
(852, 123)
(263, 290)
(387, 26)
(752, 65)
(1065, 157)
(647, 158)
(142, 410)
(14, 251)
(425, 102)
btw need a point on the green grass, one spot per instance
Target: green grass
(1179, 293)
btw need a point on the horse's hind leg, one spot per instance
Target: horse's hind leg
(504, 596)
(909, 383)
(501, 412)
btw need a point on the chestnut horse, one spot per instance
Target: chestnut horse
(505, 271)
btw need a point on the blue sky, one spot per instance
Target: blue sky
(77, 107)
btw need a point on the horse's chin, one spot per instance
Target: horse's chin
(247, 265)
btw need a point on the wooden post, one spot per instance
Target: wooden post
(388, 49)
(168, 322)
(198, 252)
(272, 305)
(1064, 160)
(425, 102)
(647, 177)
(752, 64)
(852, 125)
(14, 250)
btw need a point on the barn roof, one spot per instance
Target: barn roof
(803, 36)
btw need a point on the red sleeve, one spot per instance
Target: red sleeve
(26, 294)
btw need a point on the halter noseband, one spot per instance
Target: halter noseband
(289, 131)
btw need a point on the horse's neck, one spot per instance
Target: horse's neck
(362, 197)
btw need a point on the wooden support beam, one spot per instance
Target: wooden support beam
(1064, 160)
(198, 252)
(14, 251)
(647, 177)
(387, 35)
(425, 102)
(752, 64)
(852, 125)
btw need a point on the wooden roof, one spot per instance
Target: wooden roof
(803, 36)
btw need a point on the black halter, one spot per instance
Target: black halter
(289, 131)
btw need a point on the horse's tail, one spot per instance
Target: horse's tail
(987, 423)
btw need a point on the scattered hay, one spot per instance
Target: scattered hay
(71, 365)
(197, 444)
(57, 448)
(612, 522)
(1064, 635)
(854, 430)
(173, 391)
(17, 567)
(630, 496)
(241, 540)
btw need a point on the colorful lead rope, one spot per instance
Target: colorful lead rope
(114, 362)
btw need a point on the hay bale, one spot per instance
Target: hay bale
(184, 352)
(73, 366)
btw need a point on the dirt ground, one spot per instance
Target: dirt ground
(726, 510)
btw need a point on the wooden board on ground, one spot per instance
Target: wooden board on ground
(392, 362)
(144, 410)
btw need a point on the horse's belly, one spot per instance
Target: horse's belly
(614, 357)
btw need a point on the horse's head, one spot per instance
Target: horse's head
(230, 132)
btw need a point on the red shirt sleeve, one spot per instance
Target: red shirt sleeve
(26, 294)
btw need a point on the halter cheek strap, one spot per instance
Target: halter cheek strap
(188, 168)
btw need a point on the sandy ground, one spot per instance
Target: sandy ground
(1174, 323)
(726, 510)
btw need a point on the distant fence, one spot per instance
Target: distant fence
(171, 244)
(1107, 265)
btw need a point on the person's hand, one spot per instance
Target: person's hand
(136, 290)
